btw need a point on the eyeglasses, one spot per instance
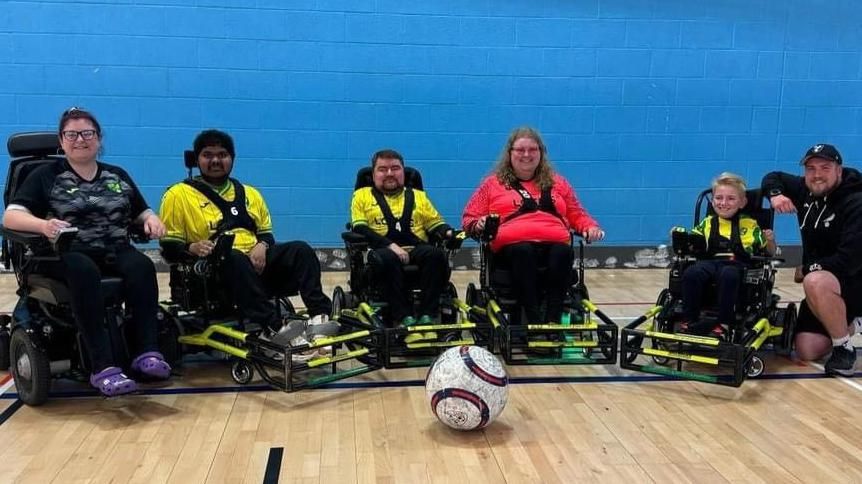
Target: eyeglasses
(86, 134)
(389, 169)
(210, 156)
(71, 110)
(524, 151)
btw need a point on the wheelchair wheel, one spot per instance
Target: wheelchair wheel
(448, 312)
(754, 367)
(169, 333)
(664, 298)
(242, 372)
(4, 347)
(339, 301)
(285, 307)
(786, 318)
(634, 341)
(474, 296)
(660, 360)
(31, 369)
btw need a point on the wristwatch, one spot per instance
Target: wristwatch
(774, 192)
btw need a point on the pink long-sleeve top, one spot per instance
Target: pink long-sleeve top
(493, 197)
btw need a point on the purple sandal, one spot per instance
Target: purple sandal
(112, 382)
(152, 365)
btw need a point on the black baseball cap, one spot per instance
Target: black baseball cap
(822, 150)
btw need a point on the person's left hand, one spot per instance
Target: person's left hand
(594, 234)
(257, 254)
(153, 227)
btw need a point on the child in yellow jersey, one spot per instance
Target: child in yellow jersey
(731, 235)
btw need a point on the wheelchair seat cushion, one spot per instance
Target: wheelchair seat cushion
(112, 382)
(152, 365)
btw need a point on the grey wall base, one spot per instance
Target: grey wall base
(598, 256)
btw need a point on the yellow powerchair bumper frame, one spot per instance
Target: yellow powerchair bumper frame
(419, 345)
(355, 350)
(578, 340)
(723, 363)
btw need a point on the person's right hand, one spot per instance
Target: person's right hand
(782, 204)
(52, 227)
(480, 224)
(202, 248)
(402, 254)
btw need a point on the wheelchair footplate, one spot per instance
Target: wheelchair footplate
(715, 360)
(354, 350)
(419, 345)
(579, 339)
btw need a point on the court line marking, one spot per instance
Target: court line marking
(419, 383)
(842, 379)
(6, 383)
(273, 465)
(10, 410)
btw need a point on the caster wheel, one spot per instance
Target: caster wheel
(242, 372)
(755, 366)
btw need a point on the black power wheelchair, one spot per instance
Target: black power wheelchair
(585, 335)
(206, 320)
(416, 345)
(733, 356)
(42, 329)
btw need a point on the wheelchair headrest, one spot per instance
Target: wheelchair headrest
(756, 207)
(412, 178)
(41, 143)
(190, 159)
(28, 151)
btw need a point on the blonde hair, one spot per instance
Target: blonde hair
(732, 180)
(544, 175)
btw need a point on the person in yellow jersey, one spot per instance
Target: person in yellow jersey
(400, 224)
(198, 210)
(732, 234)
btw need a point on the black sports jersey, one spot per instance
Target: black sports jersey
(101, 209)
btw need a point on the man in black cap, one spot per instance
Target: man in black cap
(827, 200)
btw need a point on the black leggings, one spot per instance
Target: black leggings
(290, 267)
(524, 260)
(83, 272)
(726, 274)
(389, 273)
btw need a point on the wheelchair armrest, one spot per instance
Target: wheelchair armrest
(24, 238)
(352, 238)
(767, 259)
(137, 234)
(685, 243)
(454, 243)
(41, 244)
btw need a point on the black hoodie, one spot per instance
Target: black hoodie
(831, 225)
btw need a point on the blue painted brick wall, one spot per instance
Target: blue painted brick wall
(642, 102)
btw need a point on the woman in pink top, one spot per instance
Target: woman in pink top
(537, 209)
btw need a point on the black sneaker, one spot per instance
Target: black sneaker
(841, 362)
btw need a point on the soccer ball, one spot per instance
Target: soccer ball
(467, 387)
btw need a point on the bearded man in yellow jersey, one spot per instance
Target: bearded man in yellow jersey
(399, 223)
(199, 210)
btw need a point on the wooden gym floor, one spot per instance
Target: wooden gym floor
(562, 424)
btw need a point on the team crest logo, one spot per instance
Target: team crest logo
(114, 187)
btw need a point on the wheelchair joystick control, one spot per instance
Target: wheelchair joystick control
(492, 225)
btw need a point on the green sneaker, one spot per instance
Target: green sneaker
(408, 321)
(426, 320)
